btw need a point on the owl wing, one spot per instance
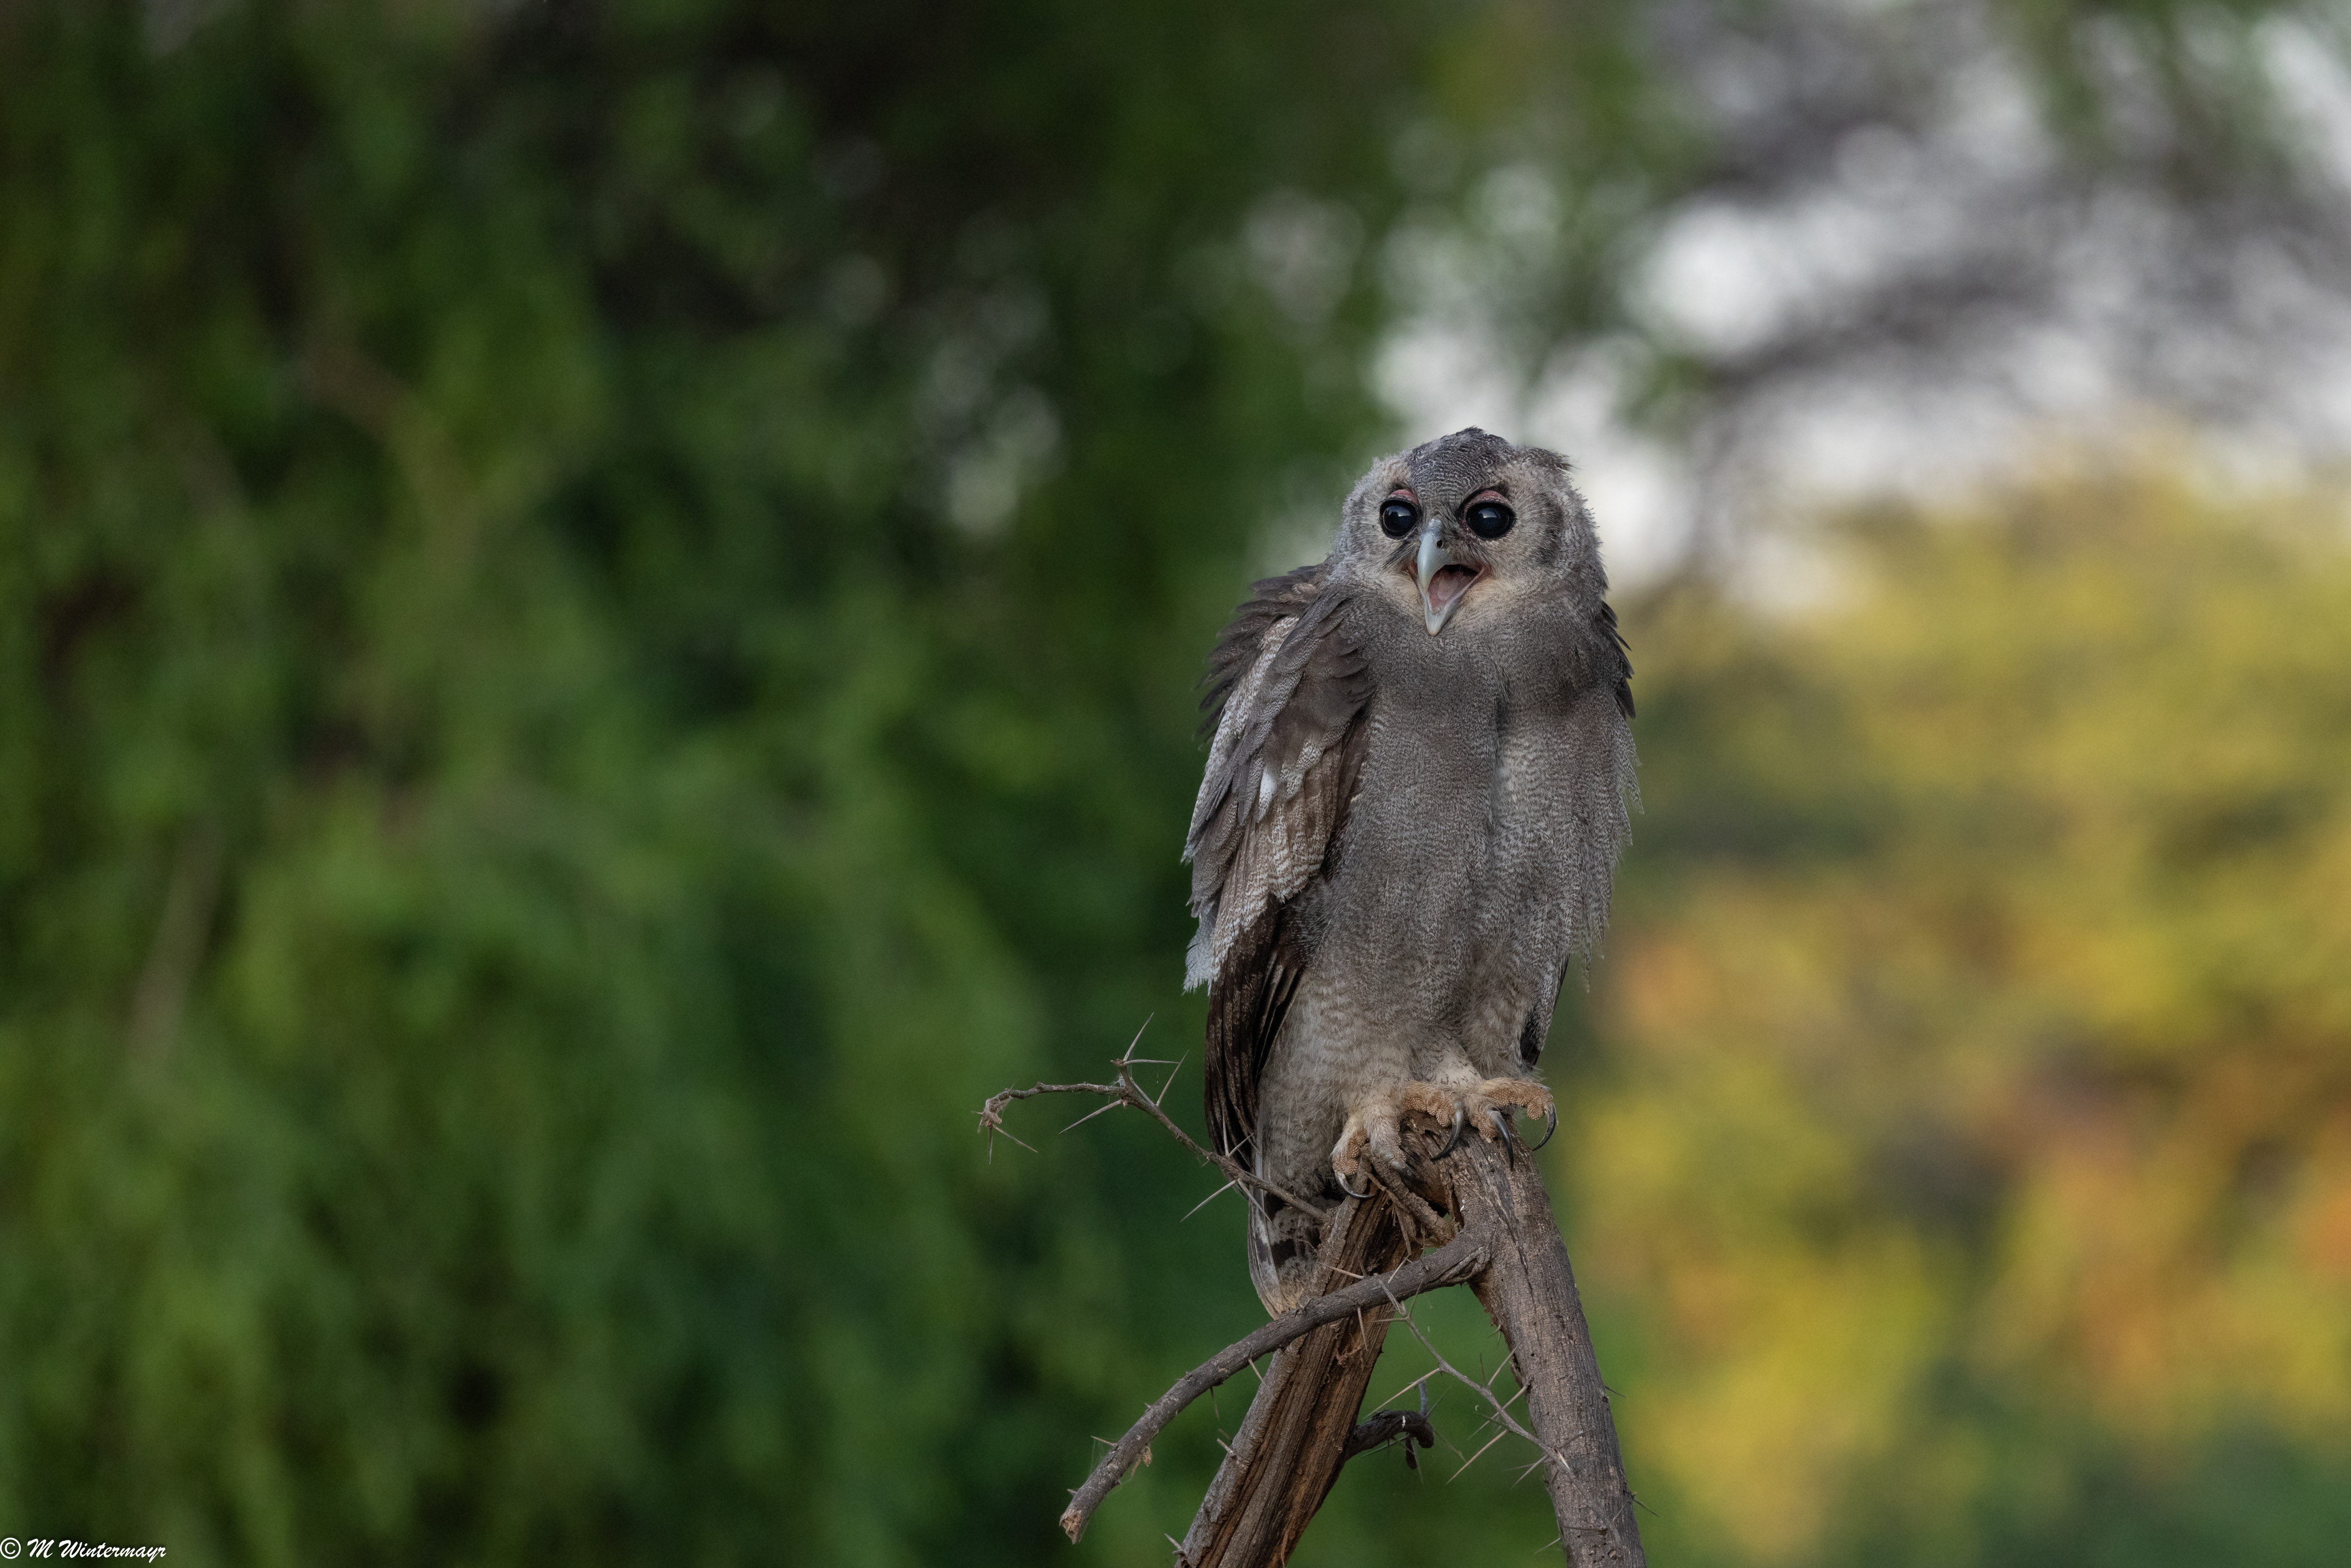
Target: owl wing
(1288, 689)
(1616, 657)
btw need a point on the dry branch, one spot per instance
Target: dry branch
(1486, 1204)
(1127, 1091)
(1529, 1290)
(1450, 1265)
(1294, 1440)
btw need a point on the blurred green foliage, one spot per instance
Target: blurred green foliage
(596, 610)
(528, 830)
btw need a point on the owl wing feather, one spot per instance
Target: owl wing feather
(1617, 656)
(1287, 690)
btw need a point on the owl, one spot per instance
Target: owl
(1420, 779)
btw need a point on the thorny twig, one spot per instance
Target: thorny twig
(1457, 1261)
(1462, 1256)
(1502, 1408)
(1127, 1091)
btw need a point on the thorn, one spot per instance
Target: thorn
(1421, 1382)
(1171, 1071)
(1209, 1199)
(1092, 1115)
(1138, 1038)
(1481, 1454)
(991, 1122)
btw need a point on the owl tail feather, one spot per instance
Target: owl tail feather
(1280, 1254)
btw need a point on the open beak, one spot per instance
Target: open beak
(1444, 578)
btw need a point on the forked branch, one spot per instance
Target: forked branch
(1457, 1260)
(1488, 1206)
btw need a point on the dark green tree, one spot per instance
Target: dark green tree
(540, 786)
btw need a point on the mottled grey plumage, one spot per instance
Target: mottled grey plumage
(1410, 821)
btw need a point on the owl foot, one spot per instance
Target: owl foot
(1373, 1124)
(1487, 1107)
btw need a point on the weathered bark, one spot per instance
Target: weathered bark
(1451, 1264)
(1529, 1290)
(1485, 1207)
(1300, 1427)
(1296, 1435)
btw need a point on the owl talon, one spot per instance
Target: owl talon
(1551, 1126)
(1350, 1192)
(1460, 1125)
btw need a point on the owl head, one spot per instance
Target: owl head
(1466, 528)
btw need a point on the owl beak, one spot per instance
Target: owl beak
(1444, 576)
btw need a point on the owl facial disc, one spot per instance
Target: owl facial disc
(1445, 575)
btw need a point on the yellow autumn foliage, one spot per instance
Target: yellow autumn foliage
(1978, 1018)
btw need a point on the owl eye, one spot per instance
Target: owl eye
(1397, 518)
(1491, 519)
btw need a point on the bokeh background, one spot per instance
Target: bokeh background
(598, 611)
